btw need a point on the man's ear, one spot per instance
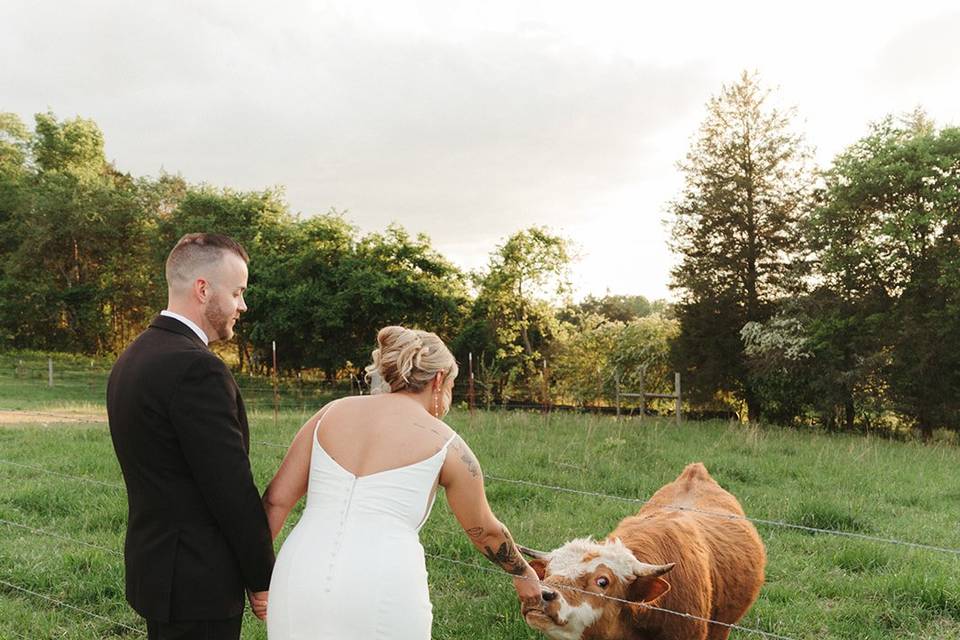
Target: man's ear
(201, 289)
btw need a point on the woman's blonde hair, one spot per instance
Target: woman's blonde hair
(408, 359)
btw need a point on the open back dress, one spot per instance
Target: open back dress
(353, 567)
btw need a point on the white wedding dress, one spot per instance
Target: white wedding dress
(353, 567)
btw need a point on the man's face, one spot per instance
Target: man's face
(225, 302)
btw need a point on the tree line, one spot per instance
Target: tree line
(828, 295)
(804, 295)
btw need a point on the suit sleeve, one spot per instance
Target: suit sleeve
(205, 415)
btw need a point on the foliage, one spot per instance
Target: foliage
(736, 229)
(888, 237)
(618, 308)
(75, 241)
(512, 320)
(636, 353)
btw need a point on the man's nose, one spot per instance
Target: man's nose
(549, 596)
(243, 305)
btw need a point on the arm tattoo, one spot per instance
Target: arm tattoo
(475, 532)
(507, 556)
(466, 457)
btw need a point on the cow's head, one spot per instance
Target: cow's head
(577, 575)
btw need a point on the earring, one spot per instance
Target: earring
(436, 404)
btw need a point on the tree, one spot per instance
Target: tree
(736, 228)
(888, 237)
(70, 219)
(512, 323)
(591, 359)
(295, 294)
(619, 308)
(323, 293)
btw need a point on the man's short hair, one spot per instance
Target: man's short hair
(196, 250)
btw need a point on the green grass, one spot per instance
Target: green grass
(818, 585)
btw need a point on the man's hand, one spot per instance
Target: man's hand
(258, 603)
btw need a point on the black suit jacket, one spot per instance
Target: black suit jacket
(197, 534)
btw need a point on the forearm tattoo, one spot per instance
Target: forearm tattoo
(507, 556)
(466, 457)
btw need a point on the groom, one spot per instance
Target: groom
(197, 535)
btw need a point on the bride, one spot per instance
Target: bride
(353, 567)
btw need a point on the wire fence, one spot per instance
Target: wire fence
(441, 558)
(301, 402)
(289, 392)
(473, 566)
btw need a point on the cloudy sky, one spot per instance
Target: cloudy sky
(468, 120)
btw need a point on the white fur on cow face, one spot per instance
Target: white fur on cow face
(575, 620)
(567, 561)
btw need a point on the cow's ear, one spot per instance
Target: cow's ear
(539, 565)
(647, 589)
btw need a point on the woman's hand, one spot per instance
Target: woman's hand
(258, 603)
(528, 588)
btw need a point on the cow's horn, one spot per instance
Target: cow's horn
(533, 553)
(646, 570)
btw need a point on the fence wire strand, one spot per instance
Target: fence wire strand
(596, 494)
(731, 516)
(115, 485)
(681, 614)
(429, 555)
(67, 605)
(725, 516)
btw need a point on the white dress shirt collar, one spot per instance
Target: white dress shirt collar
(190, 323)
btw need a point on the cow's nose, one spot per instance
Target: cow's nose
(549, 596)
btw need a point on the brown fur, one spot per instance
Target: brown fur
(718, 573)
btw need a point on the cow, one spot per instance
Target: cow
(689, 550)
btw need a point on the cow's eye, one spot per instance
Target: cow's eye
(602, 582)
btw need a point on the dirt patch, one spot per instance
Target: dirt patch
(51, 416)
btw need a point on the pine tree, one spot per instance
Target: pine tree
(736, 228)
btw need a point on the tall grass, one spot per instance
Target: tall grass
(818, 585)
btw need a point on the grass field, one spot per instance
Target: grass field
(818, 585)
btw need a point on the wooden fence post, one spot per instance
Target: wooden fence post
(616, 383)
(276, 392)
(676, 390)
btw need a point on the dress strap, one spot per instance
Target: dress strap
(316, 429)
(449, 440)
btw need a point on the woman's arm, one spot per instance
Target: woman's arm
(462, 479)
(290, 482)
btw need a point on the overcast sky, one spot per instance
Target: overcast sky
(468, 120)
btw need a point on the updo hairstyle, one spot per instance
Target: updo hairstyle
(409, 359)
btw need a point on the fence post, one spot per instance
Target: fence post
(643, 391)
(616, 385)
(676, 389)
(276, 393)
(50, 372)
(546, 387)
(471, 399)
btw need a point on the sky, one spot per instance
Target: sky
(469, 121)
